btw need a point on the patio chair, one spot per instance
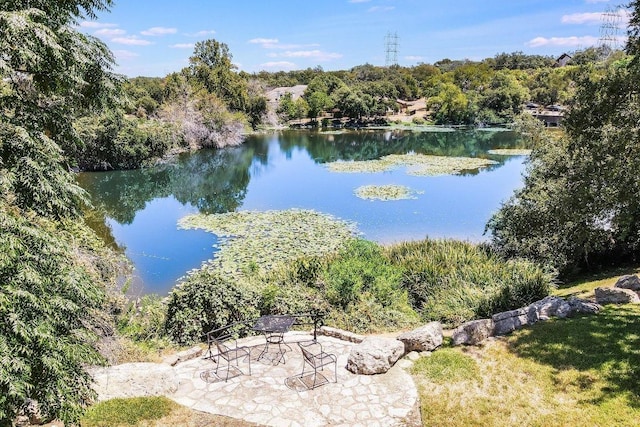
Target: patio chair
(316, 358)
(220, 339)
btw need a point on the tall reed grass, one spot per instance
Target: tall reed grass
(454, 281)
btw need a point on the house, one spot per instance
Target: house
(563, 60)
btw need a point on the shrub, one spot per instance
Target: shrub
(416, 120)
(205, 300)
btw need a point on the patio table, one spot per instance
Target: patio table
(273, 327)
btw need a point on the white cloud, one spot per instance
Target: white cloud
(275, 44)
(131, 40)
(181, 46)
(278, 64)
(573, 41)
(414, 58)
(264, 42)
(110, 32)
(582, 18)
(380, 8)
(201, 33)
(315, 54)
(92, 24)
(158, 31)
(124, 54)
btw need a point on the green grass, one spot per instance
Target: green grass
(127, 411)
(582, 371)
(447, 365)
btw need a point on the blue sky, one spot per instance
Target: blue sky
(156, 37)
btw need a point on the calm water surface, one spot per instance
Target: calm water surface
(137, 211)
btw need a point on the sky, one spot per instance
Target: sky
(156, 37)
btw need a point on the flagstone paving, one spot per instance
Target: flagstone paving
(275, 395)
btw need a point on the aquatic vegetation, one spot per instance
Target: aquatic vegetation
(385, 192)
(510, 152)
(416, 164)
(258, 241)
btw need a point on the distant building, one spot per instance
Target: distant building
(563, 60)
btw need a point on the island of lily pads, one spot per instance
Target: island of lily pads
(385, 192)
(416, 164)
(258, 241)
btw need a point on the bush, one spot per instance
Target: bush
(416, 120)
(453, 282)
(204, 301)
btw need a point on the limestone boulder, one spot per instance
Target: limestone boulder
(583, 306)
(374, 355)
(134, 380)
(549, 307)
(473, 332)
(616, 296)
(424, 338)
(508, 321)
(630, 281)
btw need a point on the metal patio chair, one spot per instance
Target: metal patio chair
(221, 339)
(316, 358)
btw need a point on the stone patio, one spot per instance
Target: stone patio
(275, 395)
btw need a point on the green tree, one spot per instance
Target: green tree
(211, 66)
(579, 207)
(50, 286)
(450, 105)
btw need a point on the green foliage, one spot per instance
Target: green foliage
(204, 301)
(447, 365)
(52, 275)
(115, 141)
(454, 281)
(49, 295)
(451, 105)
(143, 319)
(211, 67)
(117, 412)
(579, 207)
(365, 289)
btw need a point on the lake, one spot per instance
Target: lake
(137, 211)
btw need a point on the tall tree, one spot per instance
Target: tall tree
(579, 206)
(49, 282)
(211, 65)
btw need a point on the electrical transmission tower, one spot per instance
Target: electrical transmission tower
(391, 49)
(610, 29)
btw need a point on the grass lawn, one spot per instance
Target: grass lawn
(583, 371)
